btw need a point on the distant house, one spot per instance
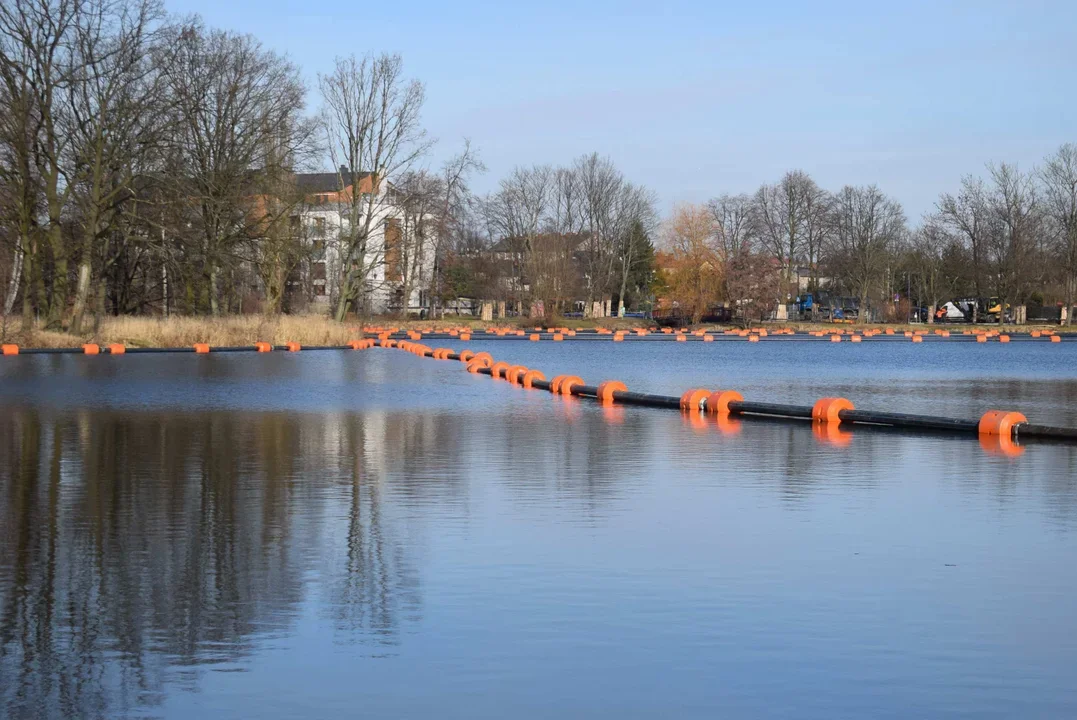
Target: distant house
(547, 265)
(323, 218)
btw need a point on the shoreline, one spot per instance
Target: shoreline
(177, 332)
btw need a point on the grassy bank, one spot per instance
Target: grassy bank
(248, 329)
(186, 331)
(321, 330)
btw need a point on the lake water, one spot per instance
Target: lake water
(341, 534)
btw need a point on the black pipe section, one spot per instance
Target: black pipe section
(635, 398)
(773, 409)
(925, 422)
(153, 351)
(50, 351)
(1046, 432)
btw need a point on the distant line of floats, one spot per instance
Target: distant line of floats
(998, 431)
(980, 335)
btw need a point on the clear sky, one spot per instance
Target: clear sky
(696, 98)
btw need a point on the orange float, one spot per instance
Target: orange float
(478, 364)
(827, 410)
(606, 390)
(1000, 422)
(530, 377)
(514, 373)
(565, 388)
(692, 400)
(717, 402)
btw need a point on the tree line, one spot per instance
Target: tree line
(151, 164)
(1010, 236)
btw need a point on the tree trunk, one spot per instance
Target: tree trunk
(14, 281)
(29, 271)
(214, 307)
(1070, 284)
(274, 291)
(347, 291)
(81, 295)
(99, 304)
(58, 296)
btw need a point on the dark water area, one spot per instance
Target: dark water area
(332, 534)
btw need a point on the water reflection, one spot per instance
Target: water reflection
(140, 550)
(133, 545)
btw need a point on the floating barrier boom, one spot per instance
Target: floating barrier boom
(1006, 425)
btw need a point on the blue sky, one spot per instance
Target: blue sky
(698, 98)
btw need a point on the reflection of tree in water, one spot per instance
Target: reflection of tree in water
(135, 548)
(376, 586)
(579, 455)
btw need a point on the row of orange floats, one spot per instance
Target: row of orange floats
(994, 429)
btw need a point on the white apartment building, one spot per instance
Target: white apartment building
(398, 253)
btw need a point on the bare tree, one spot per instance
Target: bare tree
(419, 195)
(36, 38)
(780, 216)
(733, 224)
(866, 227)
(931, 248)
(518, 213)
(1014, 233)
(456, 202)
(636, 220)
(113, 105)
(18, 127)
(753, 285)
(280, 241)
(817, 206)
(372, 121)
(1059, 180)
(968, 214)
(601, 185)
(235, 104)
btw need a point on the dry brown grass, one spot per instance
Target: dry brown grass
(322, 330)
(248, 329)
(186, 331)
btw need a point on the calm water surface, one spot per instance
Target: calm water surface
(373, 534)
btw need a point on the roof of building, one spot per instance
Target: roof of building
(325, 182)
